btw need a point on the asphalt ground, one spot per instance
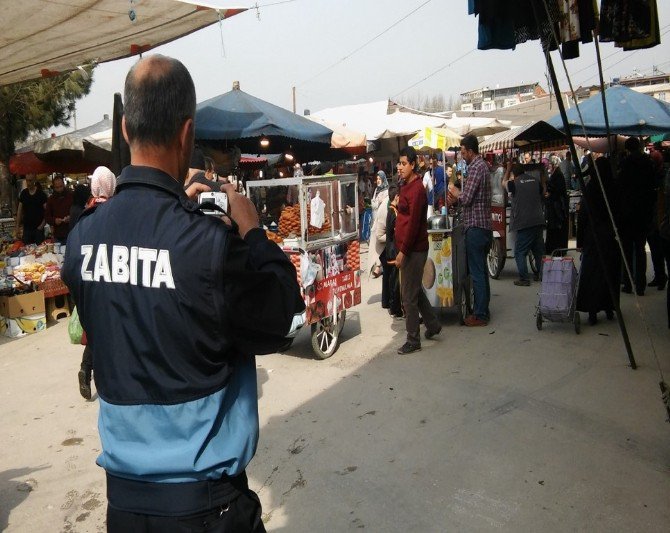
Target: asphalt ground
(501, 428)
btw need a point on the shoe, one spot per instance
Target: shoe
(430, 334)
(472, 321)
(593, 318)
(609, 314)
(522, 282)
(639, 292)
(627, 290)
(653, 283)
(536, 276)
(661, 284)
(409, 347)
(84, 384)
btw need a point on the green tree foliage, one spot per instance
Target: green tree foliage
(38, 105)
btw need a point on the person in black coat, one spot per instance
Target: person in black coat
(556, 210)
(390, 273)
(595, 226)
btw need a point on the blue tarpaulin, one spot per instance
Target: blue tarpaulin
(629, 113)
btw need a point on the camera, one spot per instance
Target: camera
(217, 198)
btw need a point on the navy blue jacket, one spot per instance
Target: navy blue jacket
(175, 305)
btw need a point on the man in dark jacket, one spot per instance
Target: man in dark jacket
(57, 211)
(411, 240)
(175, 304)
(637, 184)
(527, 220)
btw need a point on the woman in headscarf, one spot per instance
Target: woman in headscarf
(595, 234)
(556, 209)
(103, 183)
(376, 255)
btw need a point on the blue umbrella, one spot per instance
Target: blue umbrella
(237, 118)
(629, 112)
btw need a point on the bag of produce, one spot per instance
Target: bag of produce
(74, 328)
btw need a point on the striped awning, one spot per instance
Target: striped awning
(532, 135)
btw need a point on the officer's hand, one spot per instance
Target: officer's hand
(241, 209)
(194, 189)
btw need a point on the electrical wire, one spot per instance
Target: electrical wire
(435, 72)
(402, 19)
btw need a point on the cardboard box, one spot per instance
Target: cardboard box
(23, 325)
(29, 303)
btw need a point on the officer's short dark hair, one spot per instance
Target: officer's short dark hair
(471, 143)
(157, 100)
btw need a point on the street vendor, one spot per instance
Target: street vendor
(30, 215)
(175, 304)
(57, 211)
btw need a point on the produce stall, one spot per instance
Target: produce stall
(319, 233)
(33, 272)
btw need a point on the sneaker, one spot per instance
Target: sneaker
(430, 334)
(409, 347)
(472, 321)
(522, 282)
(84, 385)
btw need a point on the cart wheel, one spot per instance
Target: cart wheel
(340, 321)
(531, 260)
(495, 259)
(578, 323)
(538, 321)
(325, 337)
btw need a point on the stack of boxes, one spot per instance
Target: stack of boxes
(22, 314)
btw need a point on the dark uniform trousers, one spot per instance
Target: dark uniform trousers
(241, 514)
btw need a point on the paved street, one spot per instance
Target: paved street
(502, 428)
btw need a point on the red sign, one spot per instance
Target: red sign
(331, 295)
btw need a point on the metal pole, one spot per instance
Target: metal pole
(293, 91)
(602, 94)
(580, 178)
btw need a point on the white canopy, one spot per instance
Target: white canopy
(374, 120)
(41, 38)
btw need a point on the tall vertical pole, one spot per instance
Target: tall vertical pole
(602, 94)
(582, 184)
(293, 99)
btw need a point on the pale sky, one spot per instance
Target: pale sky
(315, 45)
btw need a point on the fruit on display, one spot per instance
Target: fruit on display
(353, 256)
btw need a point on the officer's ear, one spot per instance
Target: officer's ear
(187, 137)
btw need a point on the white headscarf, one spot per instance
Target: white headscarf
(103, 183)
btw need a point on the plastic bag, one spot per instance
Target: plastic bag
(308, 270)
(318, 213)
(74, 328)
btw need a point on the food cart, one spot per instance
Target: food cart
(315, 221)
(445, 275)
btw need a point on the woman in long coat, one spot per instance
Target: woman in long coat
(595, 225)
(556, 208)
(378, 231)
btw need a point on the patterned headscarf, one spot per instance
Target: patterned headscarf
(103, 183)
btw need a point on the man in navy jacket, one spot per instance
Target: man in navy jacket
(175, 305)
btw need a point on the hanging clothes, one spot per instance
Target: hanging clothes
(631, 24)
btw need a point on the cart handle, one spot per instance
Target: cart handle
(557, 251)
